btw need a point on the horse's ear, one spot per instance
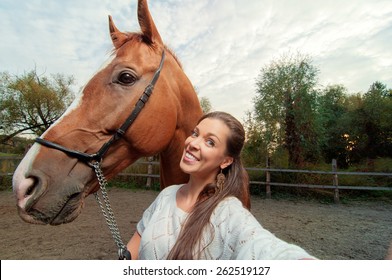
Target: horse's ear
(147, 24)
(118, 37)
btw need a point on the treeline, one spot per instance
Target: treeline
(296, 123)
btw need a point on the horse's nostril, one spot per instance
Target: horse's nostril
(27, 191)
(30, 190)
(30, 185)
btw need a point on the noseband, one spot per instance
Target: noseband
(94, 160)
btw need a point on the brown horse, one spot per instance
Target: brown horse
(51, 184)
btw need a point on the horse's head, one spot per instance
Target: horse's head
(55, 176)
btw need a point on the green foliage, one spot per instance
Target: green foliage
(5, 183)
(31, 102)
(377, 126)
(15, 146)
(366, 126)
(205, 104)
(286, 104)
(383, 165)
(300, 127)
(315, 125)
(280, 158)
(333, 131)
(255, 149)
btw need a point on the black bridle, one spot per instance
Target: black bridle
(94, 160)
(98, 156)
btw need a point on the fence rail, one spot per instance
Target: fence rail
(334, 174)
(13, 160)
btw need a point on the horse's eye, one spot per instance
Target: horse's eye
(126, 78)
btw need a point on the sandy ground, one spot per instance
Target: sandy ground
(356, 230)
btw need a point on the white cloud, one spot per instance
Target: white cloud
(222, 44)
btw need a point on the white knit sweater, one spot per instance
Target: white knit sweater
(236, 232)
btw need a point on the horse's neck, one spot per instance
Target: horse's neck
(170, 172)
(189, 112)
(170, 158)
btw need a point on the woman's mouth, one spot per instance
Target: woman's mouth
(190, 157)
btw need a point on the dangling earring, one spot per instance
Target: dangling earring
(220, 180)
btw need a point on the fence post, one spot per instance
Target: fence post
(335, 181)
(149, 172)
(268, 179)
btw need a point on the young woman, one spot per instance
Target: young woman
(208, 217)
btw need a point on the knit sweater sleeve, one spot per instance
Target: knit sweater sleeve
(246, 239)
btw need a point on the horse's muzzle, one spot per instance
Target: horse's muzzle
(56, 215)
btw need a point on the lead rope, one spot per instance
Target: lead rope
(123, 253)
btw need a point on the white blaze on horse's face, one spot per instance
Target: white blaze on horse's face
(74, 105)
(50, 185)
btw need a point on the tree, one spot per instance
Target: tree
(205, 104)
(352, 122)
(32, 102)
(333, 132)
(377, 108)
(255, 149)
(286, 103)
(368, 124)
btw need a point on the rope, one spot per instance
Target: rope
(107, 212)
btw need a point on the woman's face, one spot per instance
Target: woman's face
(205, 149)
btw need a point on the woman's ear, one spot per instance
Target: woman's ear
(226, 162)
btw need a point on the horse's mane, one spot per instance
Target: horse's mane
(139, 37)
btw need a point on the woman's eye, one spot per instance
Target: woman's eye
(210, 142)
(126, 78)
(194, 133)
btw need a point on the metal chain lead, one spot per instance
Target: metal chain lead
(107, 212)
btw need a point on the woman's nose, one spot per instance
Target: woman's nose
(195, 143)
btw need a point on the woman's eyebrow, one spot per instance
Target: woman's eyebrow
(213, 135)
(209, 134)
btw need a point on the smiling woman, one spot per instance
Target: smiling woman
(208, 217)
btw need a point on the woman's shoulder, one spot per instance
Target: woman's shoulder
(165, 198)
(170, 190)
(230, 202)
(231, 208)
(166, 193)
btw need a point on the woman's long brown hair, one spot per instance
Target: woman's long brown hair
(187, 246)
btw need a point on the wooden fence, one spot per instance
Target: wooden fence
(334, 173)
(8, 165)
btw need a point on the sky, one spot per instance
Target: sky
(222, 44)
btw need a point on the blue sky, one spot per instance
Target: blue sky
(222, 44)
